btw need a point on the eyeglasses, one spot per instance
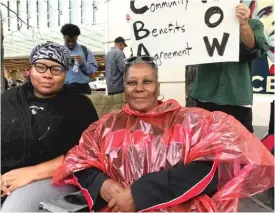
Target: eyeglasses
(145, 58)
(55, 70)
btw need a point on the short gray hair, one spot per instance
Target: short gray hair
(152, 65)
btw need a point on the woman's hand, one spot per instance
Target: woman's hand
(110, 189)
(4, 189)
(123, 202)
(243, 13)
(17, 178)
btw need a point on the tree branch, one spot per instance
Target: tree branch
(22, 22)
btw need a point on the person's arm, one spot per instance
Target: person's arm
(47, 169)
(260, 44)
(83, 114)
(89, 112)
(247, 36)
(18, 178)
(92, 179)
(90, 66)
(176, 185)
(100, 187)
(253, 43)
(119, 58)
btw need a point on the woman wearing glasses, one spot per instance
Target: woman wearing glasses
(159, 156)
(40, 122)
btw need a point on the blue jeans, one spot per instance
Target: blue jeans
(27, 198)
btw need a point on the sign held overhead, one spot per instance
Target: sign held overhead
(185, 32)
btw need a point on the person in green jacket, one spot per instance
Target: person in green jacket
(227, 86)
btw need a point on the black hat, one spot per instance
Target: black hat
(120, 40)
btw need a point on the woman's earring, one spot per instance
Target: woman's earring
(160, 97)
(124, 100)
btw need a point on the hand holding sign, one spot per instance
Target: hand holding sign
(242, 13)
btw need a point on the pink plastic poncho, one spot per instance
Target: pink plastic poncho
(127, 144)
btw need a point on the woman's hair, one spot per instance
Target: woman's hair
(152, 65)
(70, 30)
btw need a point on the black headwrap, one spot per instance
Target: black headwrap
(51, 51)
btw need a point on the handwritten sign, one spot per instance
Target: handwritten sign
(185, 32)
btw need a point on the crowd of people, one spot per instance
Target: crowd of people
(151, 155)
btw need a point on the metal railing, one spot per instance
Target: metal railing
(42, 14)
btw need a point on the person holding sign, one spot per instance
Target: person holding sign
(227, 86)
(159, 156)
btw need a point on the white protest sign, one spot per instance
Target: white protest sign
(185, 32)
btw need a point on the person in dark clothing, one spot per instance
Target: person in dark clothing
(268, 140)
(40, 121)
(114, 61)
(159, 156)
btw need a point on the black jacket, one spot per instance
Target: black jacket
(154, 188)
(23, 143)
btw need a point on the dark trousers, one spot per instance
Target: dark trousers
(242, 114)
(80, 88)
(271, 119)
(271, 123)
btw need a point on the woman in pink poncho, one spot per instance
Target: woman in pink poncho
(159, 156)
